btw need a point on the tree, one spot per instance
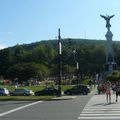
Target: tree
(114, 77)
(25, 71)
(90, 54)
(4, 61)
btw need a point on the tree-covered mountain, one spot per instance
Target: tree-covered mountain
(41, 58)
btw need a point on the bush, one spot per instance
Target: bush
(86, 81)
(114, 77)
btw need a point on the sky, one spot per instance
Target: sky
(28, 21)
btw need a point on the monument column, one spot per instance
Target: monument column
(110, 65)
(109, 49)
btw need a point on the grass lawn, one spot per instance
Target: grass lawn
(33, 88)
(26, 98)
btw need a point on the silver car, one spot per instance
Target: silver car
(22, 92)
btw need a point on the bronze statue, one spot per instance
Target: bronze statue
(107, 18)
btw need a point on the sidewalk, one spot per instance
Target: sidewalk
(94, 90)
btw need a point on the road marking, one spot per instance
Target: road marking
(116, 107)
(103, 109)
(19, 108)
(99, 114)
(95, 118)
(96, 108)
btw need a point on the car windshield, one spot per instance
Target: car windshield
(22, 90)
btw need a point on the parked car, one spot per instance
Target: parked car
(22, 92)
(47, 91)
(4, 91)
(76, 90)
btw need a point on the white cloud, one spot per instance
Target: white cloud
(3, 46)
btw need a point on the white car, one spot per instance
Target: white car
(31, 92)
(4, 91)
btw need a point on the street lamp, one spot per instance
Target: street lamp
(59, 62)
(77, 68)
(77, 65)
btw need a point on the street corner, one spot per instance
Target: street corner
(64, 98)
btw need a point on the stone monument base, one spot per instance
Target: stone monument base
(110, 67)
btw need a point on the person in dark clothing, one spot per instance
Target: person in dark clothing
(117, 89)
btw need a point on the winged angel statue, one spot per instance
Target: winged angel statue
(107, 18)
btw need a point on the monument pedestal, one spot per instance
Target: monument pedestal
(110, 65)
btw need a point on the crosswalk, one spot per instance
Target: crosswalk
(98, 109)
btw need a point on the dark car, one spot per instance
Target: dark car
(47, 91)
(22, 92)
(76, 90)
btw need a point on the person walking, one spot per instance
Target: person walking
(108, 91)
(117, 89)
(113, 87)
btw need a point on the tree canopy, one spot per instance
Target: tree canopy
(41, 58)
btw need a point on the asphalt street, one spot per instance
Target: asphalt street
(44, 110)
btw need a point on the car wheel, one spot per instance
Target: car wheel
(1, 94)
(68, 93)
(85, 93)
(25, 94)
(11, 94)
(36, 94)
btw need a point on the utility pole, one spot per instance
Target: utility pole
(76, 65)
(59, 62)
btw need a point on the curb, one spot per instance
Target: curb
(64, 98)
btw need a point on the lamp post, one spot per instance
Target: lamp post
(77, 65)
(59, 62)
(77, 68)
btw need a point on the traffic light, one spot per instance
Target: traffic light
(69, 42)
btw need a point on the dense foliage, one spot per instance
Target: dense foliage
(40, 59)
(114, 77)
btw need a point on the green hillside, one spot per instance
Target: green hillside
(40, 59)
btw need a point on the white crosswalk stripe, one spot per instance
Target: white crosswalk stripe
(98, 109)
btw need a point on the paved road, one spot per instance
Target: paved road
(8, 105)
(47, 110)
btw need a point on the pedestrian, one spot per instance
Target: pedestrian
(113, 87)
(117, 89)
(99, 89)
(108, 91)
(16, 87)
